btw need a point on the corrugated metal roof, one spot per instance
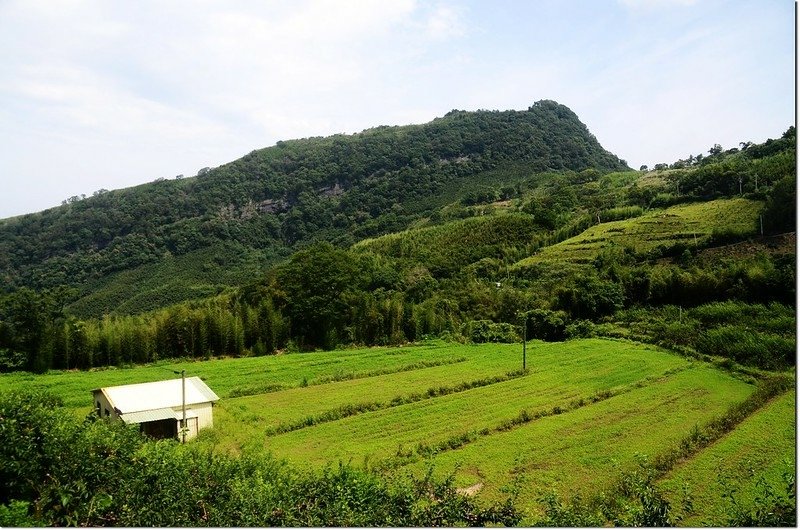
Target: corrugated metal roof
(143, 397)
(148, 415)
(157, 414)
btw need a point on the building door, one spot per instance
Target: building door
(191, 428)
(160, 429)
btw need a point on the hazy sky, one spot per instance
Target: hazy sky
(109, 94)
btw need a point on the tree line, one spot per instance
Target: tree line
(324, 297)
(438, 281)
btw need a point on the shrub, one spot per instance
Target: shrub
(480, 331)
(620, 213)
(590, 297)
(15, 515)
(771, 507)
(546, 325)
(672, 334)
(102, 473)
(748, 347)
(580, 329)
(11, 360)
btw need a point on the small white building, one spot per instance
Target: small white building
(158, 407)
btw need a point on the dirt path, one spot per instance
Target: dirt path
(472, 490)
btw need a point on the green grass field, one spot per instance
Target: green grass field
(575, 420)
(559, 374)
(761, 448)
(453, 245)
(594, 443)
(226, 376)
(691, 224)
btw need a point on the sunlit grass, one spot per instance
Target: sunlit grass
(762, 447)
(691, 224)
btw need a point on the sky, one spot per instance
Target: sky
(110, 94)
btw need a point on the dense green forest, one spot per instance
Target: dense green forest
(256, 210)
(493, 221)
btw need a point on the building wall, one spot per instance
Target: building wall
(203, 414)
(201, 411)
(102, 407)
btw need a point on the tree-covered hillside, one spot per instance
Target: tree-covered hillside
(264, 205)
(694, 256)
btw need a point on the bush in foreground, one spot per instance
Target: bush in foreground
(55, 471)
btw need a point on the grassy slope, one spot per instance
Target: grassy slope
(198, 274)
(681, 223)
(657, 398)
(560, 373)
(225, 375)
(763, 446)
(456, 244)
(583, 450)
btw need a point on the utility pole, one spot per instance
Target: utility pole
(524, 340)
(183, 403)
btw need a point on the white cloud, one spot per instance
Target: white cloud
(656, 4)
(119, 93)
(445, 22)
(78, 98)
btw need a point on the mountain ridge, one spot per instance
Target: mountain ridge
(339, 188)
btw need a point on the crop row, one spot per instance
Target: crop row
(226, 375)
(582, 450)
(758, 450)
(343, 376)
(427, 450)
(635, 499)
(242, 419)
(350, 409)
(377, 434)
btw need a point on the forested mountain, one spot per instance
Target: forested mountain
(478, 226)
(242, 216)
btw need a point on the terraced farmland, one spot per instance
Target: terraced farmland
(560, 374)
(593, 442)
(692, 224)
(572, 423)
(762, 448)
(254, 375)
(456, 244)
